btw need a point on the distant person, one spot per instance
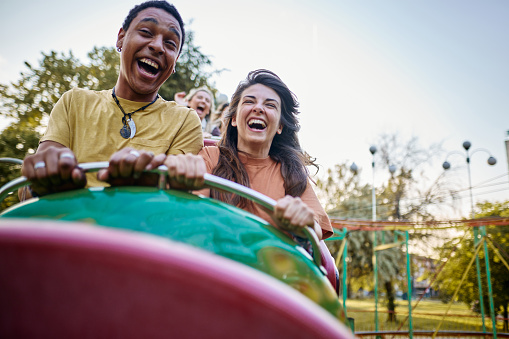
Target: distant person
(260, 149)
(217, 119)
(131, 125)
(202, 101)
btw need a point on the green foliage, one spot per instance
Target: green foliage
(29, 101)
(15, 142)
(343, 195)
(346, 198)
(456, 267)
(406, 196)
(191, 71)
(409, 194)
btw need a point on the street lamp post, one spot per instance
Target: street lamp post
(392, 170)
(491, 161)
(372, 149)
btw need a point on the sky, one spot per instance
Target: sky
(436, 70)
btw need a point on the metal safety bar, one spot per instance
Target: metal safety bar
(211, 181)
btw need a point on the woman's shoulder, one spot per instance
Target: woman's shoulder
(210, 155)
(210, 152)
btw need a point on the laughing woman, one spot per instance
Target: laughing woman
(202, 101)
(260, 149)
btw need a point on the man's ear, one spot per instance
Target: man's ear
(120, 38)
(175, 65)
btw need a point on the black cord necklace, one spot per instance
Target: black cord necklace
(128, 129)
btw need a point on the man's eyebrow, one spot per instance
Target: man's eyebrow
(151, 20)
(172, 29)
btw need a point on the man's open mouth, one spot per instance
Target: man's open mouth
(148, 66)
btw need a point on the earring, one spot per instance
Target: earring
(119, 49)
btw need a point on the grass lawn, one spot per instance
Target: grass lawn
(426, 316)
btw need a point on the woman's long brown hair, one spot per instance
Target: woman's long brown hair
(285, 147)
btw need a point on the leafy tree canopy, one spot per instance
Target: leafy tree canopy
(406, 196)
(456, 267)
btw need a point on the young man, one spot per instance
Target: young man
(126, 125)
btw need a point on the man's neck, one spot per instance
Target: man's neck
(125, 92)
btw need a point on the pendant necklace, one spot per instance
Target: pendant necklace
(128, 129)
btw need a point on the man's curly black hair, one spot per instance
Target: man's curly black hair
(157, 4)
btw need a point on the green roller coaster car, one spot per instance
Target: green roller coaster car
(208, 231)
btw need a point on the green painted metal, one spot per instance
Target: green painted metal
(202, 222)
(345, 274)
(488, 278)
(375, 265)
(479, 282)
(409, 288)
(341, 235)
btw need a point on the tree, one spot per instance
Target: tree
(29, 101)
(15, 141)
(453, 271)
(407, 196)
(194, 69)
(344, 196)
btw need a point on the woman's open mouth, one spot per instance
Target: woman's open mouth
(257, 124)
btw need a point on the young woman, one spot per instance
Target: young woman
(260, 149)
(202, 101)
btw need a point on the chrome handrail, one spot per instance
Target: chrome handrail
(211, 181)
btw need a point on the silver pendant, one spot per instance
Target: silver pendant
(125, 131)
(132, 127)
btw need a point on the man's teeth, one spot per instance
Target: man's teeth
(150, 63)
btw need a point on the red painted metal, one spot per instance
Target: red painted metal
(368, 225)
(210, 142)
(71, 280)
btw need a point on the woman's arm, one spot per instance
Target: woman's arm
(310, 199)
(292, 214)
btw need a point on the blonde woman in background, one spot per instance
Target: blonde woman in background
(202, 101)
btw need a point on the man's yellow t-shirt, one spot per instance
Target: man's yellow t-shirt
(89, 122)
